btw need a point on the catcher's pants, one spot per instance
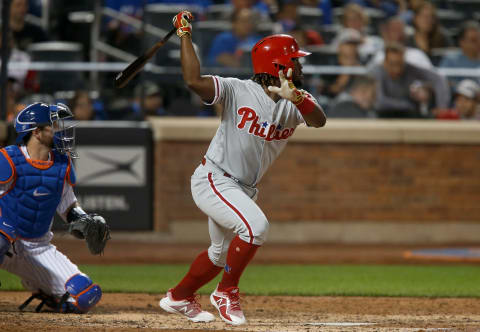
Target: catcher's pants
(231, 210)
(40, 265)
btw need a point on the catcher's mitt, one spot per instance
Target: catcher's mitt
(93, 228)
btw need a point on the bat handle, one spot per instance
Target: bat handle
(169, 34)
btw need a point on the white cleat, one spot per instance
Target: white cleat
(188, 307)
(228, 305)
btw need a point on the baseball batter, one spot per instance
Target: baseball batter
(259, 115)
(36, 180)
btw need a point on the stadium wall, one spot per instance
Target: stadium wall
(354, 181)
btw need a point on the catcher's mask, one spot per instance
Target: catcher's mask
(58, 116)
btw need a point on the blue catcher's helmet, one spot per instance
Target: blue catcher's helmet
(41, 114)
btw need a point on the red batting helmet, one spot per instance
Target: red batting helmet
(275, 50)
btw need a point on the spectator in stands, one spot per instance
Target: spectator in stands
(357, 102)
(466, 102)
(469, 54)
(262, 10)
(407, 8)
(325, 6)
(153, 102)
(393, 31)
(389, 8)
(229, 48)
(287, 16)
(404, 90)
(122, 35)
(305, 37)
(15, 55)
(428, 33)
(24, 33)
(287, 21)
(347, 56)
(355, 17)
(13, 108)
(11, 97)
(81, 106)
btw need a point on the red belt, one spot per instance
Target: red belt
(204, 161)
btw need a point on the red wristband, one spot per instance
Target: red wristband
(306, 106)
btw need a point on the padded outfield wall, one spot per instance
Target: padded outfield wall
(353, 181)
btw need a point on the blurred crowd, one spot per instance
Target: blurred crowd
(401, 47)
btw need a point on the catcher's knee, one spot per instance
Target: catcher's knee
(84, 291)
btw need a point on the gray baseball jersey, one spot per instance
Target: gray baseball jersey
(253, 130)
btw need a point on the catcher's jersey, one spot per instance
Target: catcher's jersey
(68, 196)
(253, 130)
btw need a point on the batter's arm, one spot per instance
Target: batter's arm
(201, 85)
(316, 118)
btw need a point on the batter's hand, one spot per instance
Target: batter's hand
(181, 21)
(287, 89)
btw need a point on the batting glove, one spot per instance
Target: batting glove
(181, 21)
(287, 89)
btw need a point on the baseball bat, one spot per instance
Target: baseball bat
(132, 69)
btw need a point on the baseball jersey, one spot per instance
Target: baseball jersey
(253, 130)
(68, 196)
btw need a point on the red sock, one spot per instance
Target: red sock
(240, 253)
(201, 272)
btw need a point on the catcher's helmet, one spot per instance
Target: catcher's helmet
(275, 50)
(41, 114)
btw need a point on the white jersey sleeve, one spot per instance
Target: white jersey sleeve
(68, 198)
(224, 87)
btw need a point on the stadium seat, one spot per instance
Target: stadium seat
(328, 32)
(439, 53)
(450, 18)
(264, 28)
(218, 12)
(57, 51)
(467, 7)
(324, 55)
(205, 33)
(160, 15)
(310, 16)
(376, 17)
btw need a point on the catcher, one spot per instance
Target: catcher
(36, 179)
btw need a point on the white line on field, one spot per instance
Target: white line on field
(318, 324)
(338, 324)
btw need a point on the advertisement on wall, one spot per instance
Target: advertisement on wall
(114, 173)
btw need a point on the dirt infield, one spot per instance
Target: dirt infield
(131, 312)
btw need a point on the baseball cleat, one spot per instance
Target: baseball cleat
(227, 303)
(188, 307)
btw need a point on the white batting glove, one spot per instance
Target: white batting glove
(287, 89)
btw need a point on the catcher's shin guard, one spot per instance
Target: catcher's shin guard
(53, 303)
(84, 291)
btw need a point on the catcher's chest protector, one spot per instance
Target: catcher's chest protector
(36, 193)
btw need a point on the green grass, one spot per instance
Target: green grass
(309, 280)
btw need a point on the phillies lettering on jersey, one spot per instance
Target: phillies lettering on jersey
(274, 132)
(253, 130)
